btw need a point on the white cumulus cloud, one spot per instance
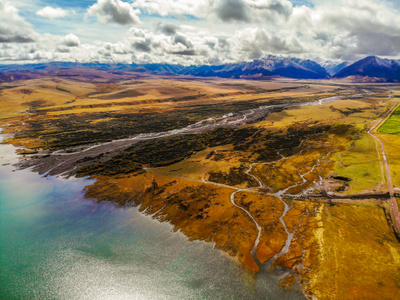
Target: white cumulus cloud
(203, 31)
(71, 40)
(114, 11)
(198, 8)
(52, 13)
(13, 28)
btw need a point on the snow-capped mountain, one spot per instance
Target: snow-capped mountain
(373, 66)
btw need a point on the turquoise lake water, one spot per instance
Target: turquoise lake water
(55, 244)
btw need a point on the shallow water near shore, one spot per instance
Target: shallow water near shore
(55, 244)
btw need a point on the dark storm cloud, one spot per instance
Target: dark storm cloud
(185, 52)
(4, 38)
(364, 35)
(223, 43)
(61, 49)
(280, 7)
(374, 43)
(182, 40)
(143, 46)
(167, 29)
(211, 44)
(71, 44)
(233, 10)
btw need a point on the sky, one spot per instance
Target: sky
(194, 32)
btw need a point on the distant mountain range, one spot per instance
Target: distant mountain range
(332, 68)
(270, 66)
(266, 67)
(373, 66)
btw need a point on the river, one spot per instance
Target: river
(55, 244)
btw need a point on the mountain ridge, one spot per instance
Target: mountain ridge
(267, 67)
(372, 66)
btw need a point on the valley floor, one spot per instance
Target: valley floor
(284, 173)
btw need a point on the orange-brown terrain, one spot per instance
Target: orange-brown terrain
(279, 173)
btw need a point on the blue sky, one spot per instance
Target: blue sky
(195, 32)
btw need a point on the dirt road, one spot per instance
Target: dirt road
(393, 201)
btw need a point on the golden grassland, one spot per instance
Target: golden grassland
(68, 95)
(392, 146)
(62, 96)
(340, 250)
(358, 256)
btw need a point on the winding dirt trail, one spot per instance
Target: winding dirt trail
(259, 228)
(393, 201)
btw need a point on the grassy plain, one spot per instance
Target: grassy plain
(358, 255)
(392, 146)
(361, 162)
(389, 134)
(305, 153)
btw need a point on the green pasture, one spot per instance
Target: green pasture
(392, 125)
